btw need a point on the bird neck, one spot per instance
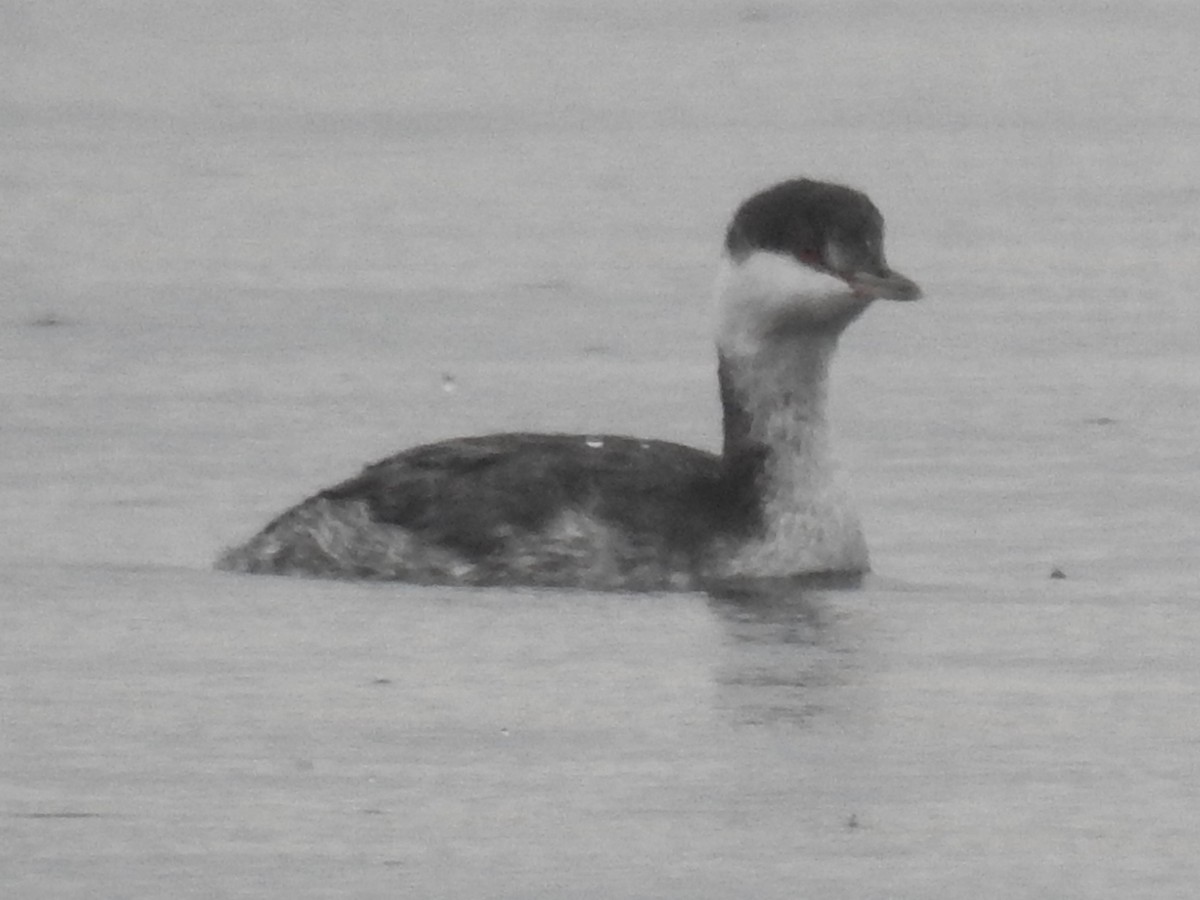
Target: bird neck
(776, 425)
(778, 324)
(777, 336)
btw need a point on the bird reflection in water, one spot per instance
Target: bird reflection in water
(789, 649)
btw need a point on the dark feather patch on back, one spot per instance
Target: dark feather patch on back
(478, 495)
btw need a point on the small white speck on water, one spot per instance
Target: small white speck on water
(594, 442)
(449, 383)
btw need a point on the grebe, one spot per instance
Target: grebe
(801, 261)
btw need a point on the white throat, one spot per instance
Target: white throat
(773, 293)
(777, 331)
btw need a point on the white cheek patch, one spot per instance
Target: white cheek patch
(764, 289)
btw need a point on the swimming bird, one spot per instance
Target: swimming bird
(802, 260)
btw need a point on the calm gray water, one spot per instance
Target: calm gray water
(242, 246)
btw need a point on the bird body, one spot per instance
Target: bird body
(802, 260)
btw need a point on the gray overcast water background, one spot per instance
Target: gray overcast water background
(245, 248)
